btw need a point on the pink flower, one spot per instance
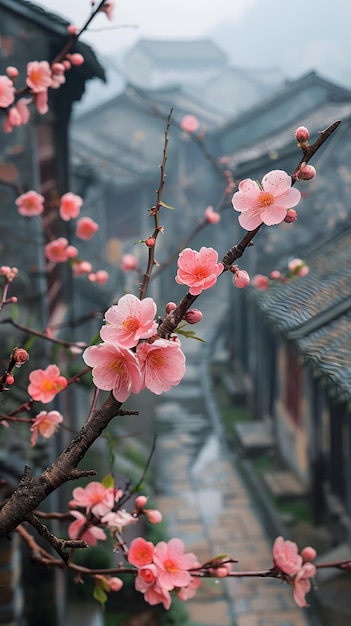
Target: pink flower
(129, 321)
(7, 92)
(79, 267)
(59, 251)
(140, 552)
(265, 203)
(45, 424)
(298, 267)
(173, 564)
(211, 216)
(41, 102)
(185, 593)
(108, 8)
(95, 497)
(260, 282)
(308, 553)
(115, 369)
(119, 519)
(302, 584)
(241, 279)
(86, 228)
(90, 534)
(162, 364)
(45, 384)
(198, 270)
(190, 123)
(146, 582)
(101, 277)
(38, 76)
(70, 205)
(30, 203)
(286, 556)
(153, 516)
(112, 583)
(17, 115)
(129, 262)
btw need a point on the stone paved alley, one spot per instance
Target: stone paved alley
(206, 503)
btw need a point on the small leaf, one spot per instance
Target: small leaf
(189, 334)
(108, 481)
(100, 595)
(167, 206)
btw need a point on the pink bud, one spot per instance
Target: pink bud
(67, 64)
(12, 72)
(291, 216)
(10, 379)
(190, 123)
(58, 68)
(170, 306)
(308, 553)
(307, 172)
(241, 279)
(260, 281)
(115, 583)
(220, 572)
(302, 134)
(150, 242)
(102, 277)
(153, 516)
(20, 356)
(297, 267)
(140, 502)
(211, 216)
(275, 274)
(72, 29)
(193, 316)
(76, 58)
(129, 262)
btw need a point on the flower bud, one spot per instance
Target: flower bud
(260, 281)
(307, 172)
(302, 135)
(153, 516)
(72, 29)
(193, 316)
(76, 58)
(10, 379)
(275, 274)
(291, 216)
(211, 216)
(241, 279)
(170, 306)
(20, 356)
(150, 242)
(140, 502)
(308, 553)
(12, 72)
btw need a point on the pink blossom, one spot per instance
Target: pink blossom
(129, 321)
(114, 583)
(59, 251)
(162, 364)
(260, 282)
(140, 552)
(241, 279)
(7, 92)
(90, 534)
(302, 584)
(185, 593)
(153, 516)
(211, 216)
(193, 316)
(108, 8)
(307, 173)
(17, 115)
(265, 203)
(129, 262)
(198, 270)
(190, 123)
(38, 76)
(70, 205)
(86, 228)
(147, 582)
(45, 424)
(119, 519)
(41, 102)
(30, 203)
(115, 369)
(173, 564)
(275, 274)
(12, 72)
(291, 216)
(95, 497)
(100, 277)
(302, 135)
(286, 556)
(80, 266)
(298, 267)
(308, 553)
(76, 58)
(45, 384)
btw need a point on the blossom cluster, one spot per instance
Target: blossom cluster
(131, 356)
(297, 568)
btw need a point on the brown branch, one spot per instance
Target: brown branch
(37, 333)
(59, 545)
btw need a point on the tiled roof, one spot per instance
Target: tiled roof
(58, 25)
(170, 51)
(315, 312)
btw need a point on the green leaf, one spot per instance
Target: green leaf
(189, 334)
(100, 595)
(167, 206)
(108, 481)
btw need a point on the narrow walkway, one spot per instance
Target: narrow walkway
(205, 503)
